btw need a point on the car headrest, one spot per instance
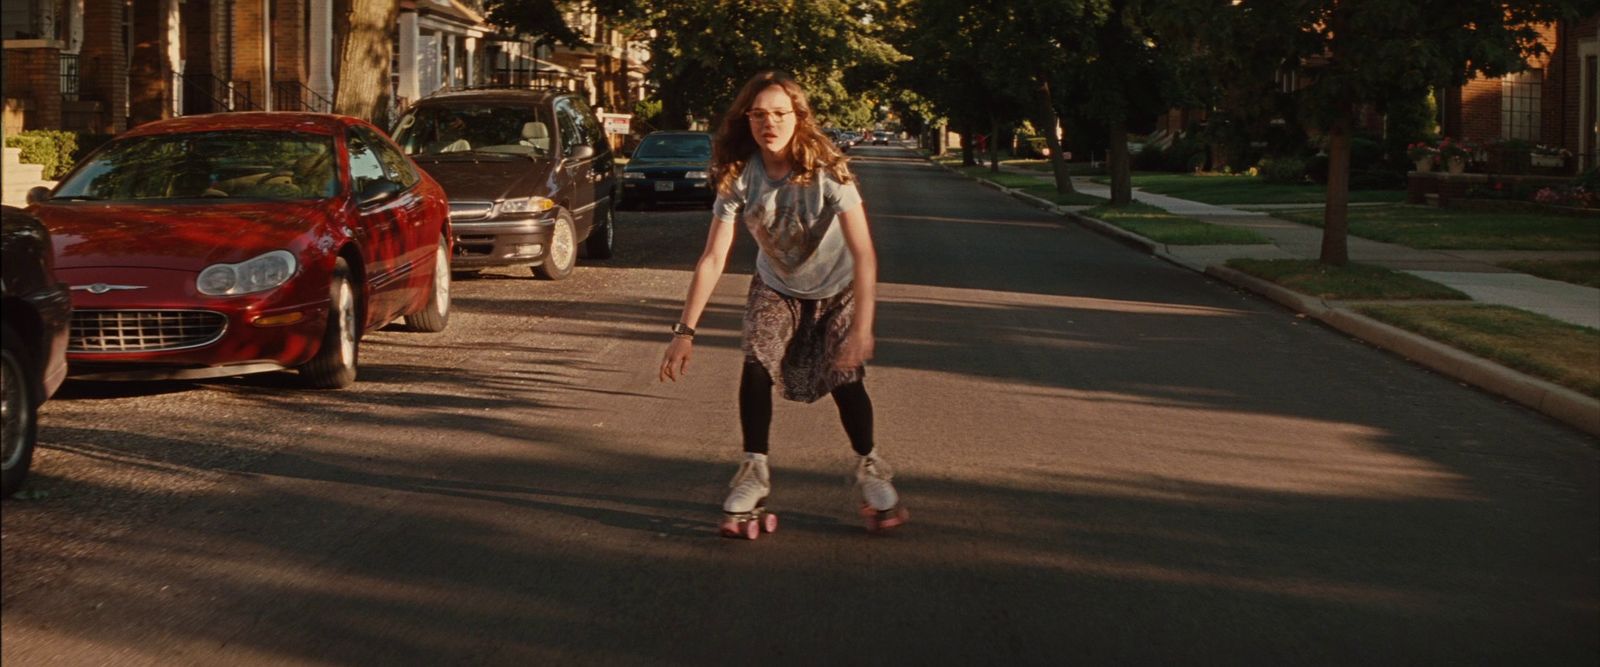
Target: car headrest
(535, 130)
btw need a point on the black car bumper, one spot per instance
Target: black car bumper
(651, 190)
(54, 307)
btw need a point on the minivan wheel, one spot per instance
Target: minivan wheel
(598, 245)
(563, 253)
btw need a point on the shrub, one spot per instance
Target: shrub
(1150, 158)
(52, 148)
(1286, 169)
(57, 150)
(1589, 180)
(1365, 153)
(1377, 177)
(1186, 153)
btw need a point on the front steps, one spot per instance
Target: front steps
(19, 178)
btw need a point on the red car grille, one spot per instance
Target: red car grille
(143, 330)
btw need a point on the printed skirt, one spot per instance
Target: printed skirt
(797, 340)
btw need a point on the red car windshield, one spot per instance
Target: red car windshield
(250, 164)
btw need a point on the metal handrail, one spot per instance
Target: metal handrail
(234, 96)
(300, 97)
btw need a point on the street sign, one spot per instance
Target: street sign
(616, 123)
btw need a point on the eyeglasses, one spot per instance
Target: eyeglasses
(775, 115)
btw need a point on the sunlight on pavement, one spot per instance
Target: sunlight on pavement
(977, 298)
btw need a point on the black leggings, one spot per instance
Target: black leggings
(755, 410)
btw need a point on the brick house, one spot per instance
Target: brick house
(106, 65)
(1553, 103)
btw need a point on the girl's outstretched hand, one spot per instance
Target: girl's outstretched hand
(855, 351)
(675, 362)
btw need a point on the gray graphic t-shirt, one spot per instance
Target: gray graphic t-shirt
(803, 253)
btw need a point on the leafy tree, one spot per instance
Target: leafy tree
(1365, 52)
(1131, 74)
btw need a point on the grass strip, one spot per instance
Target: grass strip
(1158, 225)
(1224, 189)
(1563, 353)
(1430, 227)
(1033, 185)
(1349, 282)
(1577, 272)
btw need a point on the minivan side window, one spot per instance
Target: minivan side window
(571, 134)
(588, 124)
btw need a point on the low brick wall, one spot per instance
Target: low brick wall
(1449, 188)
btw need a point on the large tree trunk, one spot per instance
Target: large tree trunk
(1335, 216)
(967, 158)
(1117, 163)
(1047, 121)
(994, 145)
(363, 85)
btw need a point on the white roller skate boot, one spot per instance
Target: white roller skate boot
(880, 504)
(744, 513)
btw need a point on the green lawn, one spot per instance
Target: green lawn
(1043, 166)
(1350, 282)
(1163, 227)
(1566, 354)
(1580, 272)
(1236, 189)
(1032, 185)
(1443, 228)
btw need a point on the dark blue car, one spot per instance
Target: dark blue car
(669, 166)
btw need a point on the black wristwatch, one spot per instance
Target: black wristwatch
(681, 329)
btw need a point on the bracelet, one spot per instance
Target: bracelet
(683, 330)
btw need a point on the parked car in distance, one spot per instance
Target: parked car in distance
(232, 243)
(36, 310)
(669, 166)
(529, 174)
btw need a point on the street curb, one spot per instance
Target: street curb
(1560, 403)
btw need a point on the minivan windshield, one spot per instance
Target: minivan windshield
(253, 164)
(675, 147)
(434, 129)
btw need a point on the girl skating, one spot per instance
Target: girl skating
(808, 321)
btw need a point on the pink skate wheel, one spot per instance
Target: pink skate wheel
(769, 523)
(730, 528)
(751, 530)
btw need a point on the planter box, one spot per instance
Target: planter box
(1547, 161)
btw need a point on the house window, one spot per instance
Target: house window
(1519, 105)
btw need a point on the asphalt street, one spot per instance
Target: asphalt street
(1108, 459)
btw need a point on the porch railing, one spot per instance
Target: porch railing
(296, 96)
(201, 92)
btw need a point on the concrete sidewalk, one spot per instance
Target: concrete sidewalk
(1475, 273)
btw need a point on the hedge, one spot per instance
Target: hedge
(57, 150)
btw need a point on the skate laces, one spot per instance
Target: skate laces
(753, 472)
(873, 468)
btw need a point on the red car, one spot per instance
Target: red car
(224, 244)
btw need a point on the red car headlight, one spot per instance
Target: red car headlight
(256, 274)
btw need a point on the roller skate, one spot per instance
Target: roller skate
(744, 513)
(880, 505)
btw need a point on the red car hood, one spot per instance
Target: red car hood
(176, 236)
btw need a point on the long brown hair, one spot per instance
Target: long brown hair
(809, 149)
